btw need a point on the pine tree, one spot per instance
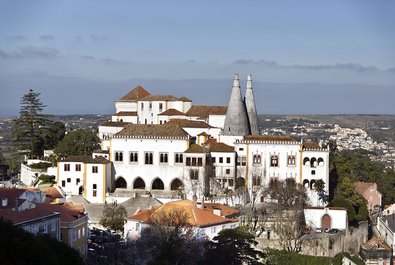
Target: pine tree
(30, 125)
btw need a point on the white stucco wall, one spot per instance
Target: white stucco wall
(313, 217)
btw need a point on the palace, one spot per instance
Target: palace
(163, 142)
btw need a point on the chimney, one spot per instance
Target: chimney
(4, 202)
(200, 203)
(217, 211)
(250, 106)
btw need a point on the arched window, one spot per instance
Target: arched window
(120, 183)
(312, 183)
(176, 184)
(158, 184)
(306, 161)
(306, 183)
(138, 183)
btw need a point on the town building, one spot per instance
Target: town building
(370, 193)
(386, 230)
(326, 218)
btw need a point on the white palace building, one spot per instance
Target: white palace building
(162, 142)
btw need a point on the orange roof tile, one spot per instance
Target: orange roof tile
(52, 192)
(11, 194)
(195, 148)
(219, 147)
(205, 111)
(172, 112)
(311, 145)
(225, 209)
(189, 123)
(26, 215)
(136, 94)
(160, 98)
(361, 187)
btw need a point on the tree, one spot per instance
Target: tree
(30, 124)
(233, 246)
(319, 187)
(114, 217)
(288, 193)
(169, 239)
(79, 142)
(54, 135)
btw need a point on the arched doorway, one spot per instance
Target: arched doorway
(240, 182)
(139, 183)
(176, 184)
(326, 222)
(158, 184)
(306, 183)
(120, 183)
(80, 190)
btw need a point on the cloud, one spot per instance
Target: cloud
(391, 70)
(95, 37)
(47, 37)
(18, 38)
(88, 57)
(31, 52)
(257, 62)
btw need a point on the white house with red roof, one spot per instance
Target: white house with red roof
(206, 221)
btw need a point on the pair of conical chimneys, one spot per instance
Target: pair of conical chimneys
(241, 117)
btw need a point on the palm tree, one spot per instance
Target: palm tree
(319, 187)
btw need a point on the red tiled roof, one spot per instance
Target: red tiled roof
(225, 209)
(11, 194)
(52, 192)
(126, 113)
(361, 187)
(205, 111)
(195, 148)
(189, 123)
(68, 212)
(172, 112)
(196, 216)
(311, 145)
(160, 98)
(26, 215)
(219, 147)
(136, 94)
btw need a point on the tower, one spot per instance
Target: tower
(250, 106)
(236, 121)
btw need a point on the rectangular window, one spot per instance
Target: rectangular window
(163, 158)
(256, 159)
(178, 158)
(119, 156)
(200, 161)
(150, 105)
(193, 161)
(256, 180)
(194, 174)
(160, 106)
(95, 169)
(66, 167)
(313, 172)
(134, 157)
(77, 181)
(231, 182)
(148, 158)
(213, 160)
(188, 162)
(94, 193)
(63, 183)
(274, 161)
(228, 160)
(227, 171)
(221, 160)
(142, 105)
(68, 180)
(291, 161)
(94, 186)
(77, 167)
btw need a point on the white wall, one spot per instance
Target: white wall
(313, 217)
(217, 120)
(125, 106)
(386, 233)
(72, 186)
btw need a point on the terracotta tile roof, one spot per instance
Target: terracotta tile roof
(195, 148)
(189, 123)
(196, 217)
(361, 187)
(172, 112)
(185, 99)
(225, 209)
(53, 192)
(160, 98)
(279, 138)
(86, 159)
(205, 111)
(114, 124)
(375, 244)
(152, 131)
(68, 212)
(211, 140)
(27, 215)
(311, 145)
(136, 94)
(219, 147)
(126, 113)
(11, 194)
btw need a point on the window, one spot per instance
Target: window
(200, 162)
(256, 159)
(194, 174)
(142, 106)
(160, 106)
(313, 172)
(241, 160)
(188, 162)
(178, 158)
(77, 167)
(133, 157)
(118, 156)
(149, 157)
(274, 161)
(213, 160)
(228, 160)
(150, 105)
(95, 169)
(94, 193)
(193, 161)
(213, 230)
(221, 160)
(63, 183)
(68, 180)
(227, 171)
(94, 186)
(77, 181)
(256, 180)
(230, 182)
(66, 167)
(241, 149)
(291, 160)
(163, 158)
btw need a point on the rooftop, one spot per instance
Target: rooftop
(189, 123)
(172, 112)
(126, 113)
(195, 148)
(87, 159)
(361, 187)
(136, 94)
(205, 111)
(219, 147)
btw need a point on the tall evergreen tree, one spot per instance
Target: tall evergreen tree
(30, 125)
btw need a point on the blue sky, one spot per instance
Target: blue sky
(305, 56)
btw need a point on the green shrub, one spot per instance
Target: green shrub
(41, 165)
(345, 203)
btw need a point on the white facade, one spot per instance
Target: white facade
(316, 216)
(386, 229)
